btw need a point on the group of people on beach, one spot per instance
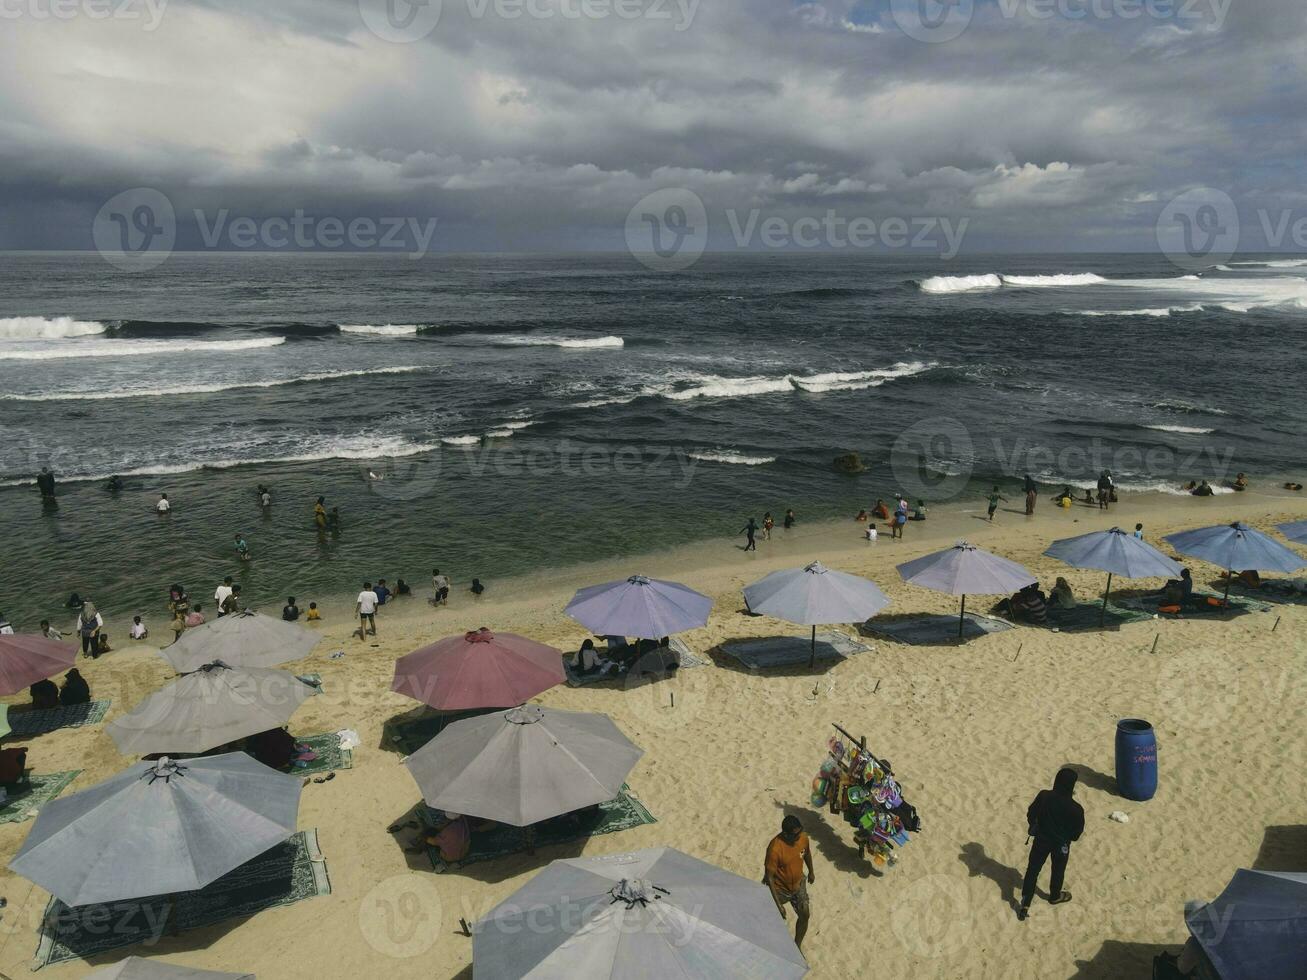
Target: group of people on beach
(752, 528)
(896, 521)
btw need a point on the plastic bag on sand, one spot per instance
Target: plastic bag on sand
(349, 739)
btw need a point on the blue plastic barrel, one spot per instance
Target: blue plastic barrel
(1136, 759)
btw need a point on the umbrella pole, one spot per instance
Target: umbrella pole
(1102, 610)
(812, 660)
(1229, 580)
(962, 615)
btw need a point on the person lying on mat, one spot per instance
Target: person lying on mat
(1062, 597)
(75, 689)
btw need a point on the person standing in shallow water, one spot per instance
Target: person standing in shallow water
(749, 530)
(1055, 821)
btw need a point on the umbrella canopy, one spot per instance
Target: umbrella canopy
(210, 707)
(1116, 553)
(479, 669)
(1255, 930)
(135, 968)
(965, 570)
(27, 658)
(246, 639)
(524, 765)
(641, 916)
(645, 608)
(1295, 531)
(158, 828)
(815, 595)
(1237, 547)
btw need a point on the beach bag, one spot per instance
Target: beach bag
(907, 814)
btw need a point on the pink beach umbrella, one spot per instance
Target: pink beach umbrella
(479, 669)
(27, 658)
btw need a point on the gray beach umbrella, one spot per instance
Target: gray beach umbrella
(815, 595)
(135, 968)
(246, 639)
(641, 916)
(1236, 547)
(966, 570)
(1257, 928)
(159, 828)
(1115, 552)
(524, 765)
(209, 707)
(1295, 531)
(646, 608)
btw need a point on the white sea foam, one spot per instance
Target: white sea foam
(713, 386)
(1155, 311)
(567, 342)
(730, 456)
(959, 284)
(1125, 485)
(201, 389)
(386, 330)
(1192, 430)
(1275, 263)
(135, 348)
(461, 440)
(1064, 279)
(41, 328)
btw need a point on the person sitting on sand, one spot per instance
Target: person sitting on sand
(1062, 597)
(290, 612)
(1180, 590)
(1293, 486)
(402, 587)
(1249, 579)
(44, 694)
(312, 615)
(919, 512)
(275, 748)
(195, 617)
(477, 588)
(587, 660)
(1067, 494)
(75, 690)
(880, 511)
(870, 532)
(102, 646)
(862, 516)
(49, 632)
(451, 840)
(1204, 489)
(1240, 483)
(139, 630)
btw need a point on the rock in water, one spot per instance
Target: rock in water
(849, 463)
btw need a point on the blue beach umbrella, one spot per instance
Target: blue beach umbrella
(646, 608)
(1295, 531)
(1254, 930)
(966, 570)
(815, 595)
(1116, 553)
(1236, 547)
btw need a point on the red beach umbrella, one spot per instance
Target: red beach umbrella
(479, 669)
(28, 658)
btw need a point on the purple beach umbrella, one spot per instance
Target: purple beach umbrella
(965, 570)
(1114, 552)
(815, 596)
(1236, 547)
(645, 608)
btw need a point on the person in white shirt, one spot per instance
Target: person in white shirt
(49, 632)
(163, 506)
(221, 592)
(5, 628)
(1139, 531)
(366, 607)
(138, 630)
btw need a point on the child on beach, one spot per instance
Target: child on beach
(1139, 531)
(195, 617)
(789, 520)
(242, 548)
(440, 585)
(994, 498)
(366, 609)
(139, 630)
(749, 530)
(477, 587)
(767, 525)
(313, 615)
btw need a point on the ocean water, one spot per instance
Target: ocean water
(499, 414)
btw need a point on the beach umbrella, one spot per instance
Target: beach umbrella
(815, 595)
(1295, 531)
(965, 570)
(479, 669)
(26, 658)
(245, 639)
(1115, 552)
(1257, 928)
(645, 608)
(158, 828)
(136, 968)
(524, 765)
(212, 706)
(1236, 547)
(639, 916)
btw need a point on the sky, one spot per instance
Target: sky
(523, 125)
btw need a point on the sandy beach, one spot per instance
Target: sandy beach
(973, 731)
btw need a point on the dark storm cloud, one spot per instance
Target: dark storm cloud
(1046, 123)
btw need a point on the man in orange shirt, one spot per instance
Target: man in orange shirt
(787, 854)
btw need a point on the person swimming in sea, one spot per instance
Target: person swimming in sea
(320, 514)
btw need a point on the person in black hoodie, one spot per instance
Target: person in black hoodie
(1055, 820)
